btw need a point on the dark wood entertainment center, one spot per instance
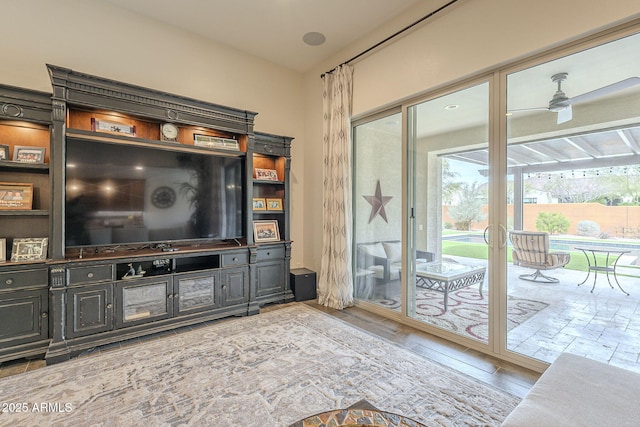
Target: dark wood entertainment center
(77, 297)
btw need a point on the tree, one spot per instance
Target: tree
(449, 184)
(552, 222)
(469, 207)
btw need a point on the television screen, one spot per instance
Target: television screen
(127, 194)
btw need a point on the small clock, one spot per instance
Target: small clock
(163, 197)
(169, 132)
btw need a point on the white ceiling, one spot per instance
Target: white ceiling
(273, 29)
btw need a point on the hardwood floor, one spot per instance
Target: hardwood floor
(502, 375)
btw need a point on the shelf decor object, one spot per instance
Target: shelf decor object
(266, 174)
(259, 204)
(16, 196)
(4, 152)
(266, 231)
(274, 204)
(28, 154)
(215, 142)
(30, 249)
(112, 127)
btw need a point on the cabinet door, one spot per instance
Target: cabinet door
(235, 286)
(269, 278)
(24, 317)
(196, 292)
(91, 310)
(145, 300)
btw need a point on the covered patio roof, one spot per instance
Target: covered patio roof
(610, 148)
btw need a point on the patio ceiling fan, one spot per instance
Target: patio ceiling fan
(561, 103)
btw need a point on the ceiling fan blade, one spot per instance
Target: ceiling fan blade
(518, 110)
(605, 90)
(565, 115)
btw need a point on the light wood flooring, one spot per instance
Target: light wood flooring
(502, 375)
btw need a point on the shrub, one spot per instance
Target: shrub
(552, 222)
(588, 228)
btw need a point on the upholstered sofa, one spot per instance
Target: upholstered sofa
(576, 391)
(383, 258)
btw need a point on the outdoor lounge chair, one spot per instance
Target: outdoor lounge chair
(531, 250)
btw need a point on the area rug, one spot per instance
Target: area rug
(467, 312)
(271, 370)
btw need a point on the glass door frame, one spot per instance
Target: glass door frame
(497, 197)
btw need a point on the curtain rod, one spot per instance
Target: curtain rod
(408, 27)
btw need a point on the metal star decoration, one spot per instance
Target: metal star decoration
(378, 202)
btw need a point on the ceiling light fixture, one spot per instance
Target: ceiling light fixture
(313, 38)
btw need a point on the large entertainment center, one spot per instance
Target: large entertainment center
(146, 212)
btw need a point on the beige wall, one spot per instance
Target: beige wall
(97, 38)
(473, 35)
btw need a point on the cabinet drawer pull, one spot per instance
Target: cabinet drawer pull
(170, 296)
(44, 315)
(89, 275)
(235, 258)
(109, 306)
(9, 281)
(268, 253)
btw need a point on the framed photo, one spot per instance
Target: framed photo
(28, 154)
(112, 127)
(266, 174)
(266, 231)
(4, 152)
(3, 250)
(31, 249)
(274, 204)
(15, 196)
(259, 204)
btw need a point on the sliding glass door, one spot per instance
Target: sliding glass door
(377, 210)
(573, 158)
(504, 213)
(447, 285)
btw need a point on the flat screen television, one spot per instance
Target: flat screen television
(119, 194)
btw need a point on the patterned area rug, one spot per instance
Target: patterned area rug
(266, 370)
(467, 312)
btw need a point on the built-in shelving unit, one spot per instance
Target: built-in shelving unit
(25, 121)
(113, 274)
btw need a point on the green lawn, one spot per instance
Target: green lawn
(479, 251)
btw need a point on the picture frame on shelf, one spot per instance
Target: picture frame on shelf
(16, 196)
(24, 154)
(98, 125)
(3, 250)
(266, 174)
(259, 204)
(29, 249)
(274, 204)
(266, 231)
(4, 152)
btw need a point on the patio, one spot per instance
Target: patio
(603, 325)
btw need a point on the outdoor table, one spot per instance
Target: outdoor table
(607, 267)
(445, 277)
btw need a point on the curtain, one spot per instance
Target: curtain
(335, 286)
